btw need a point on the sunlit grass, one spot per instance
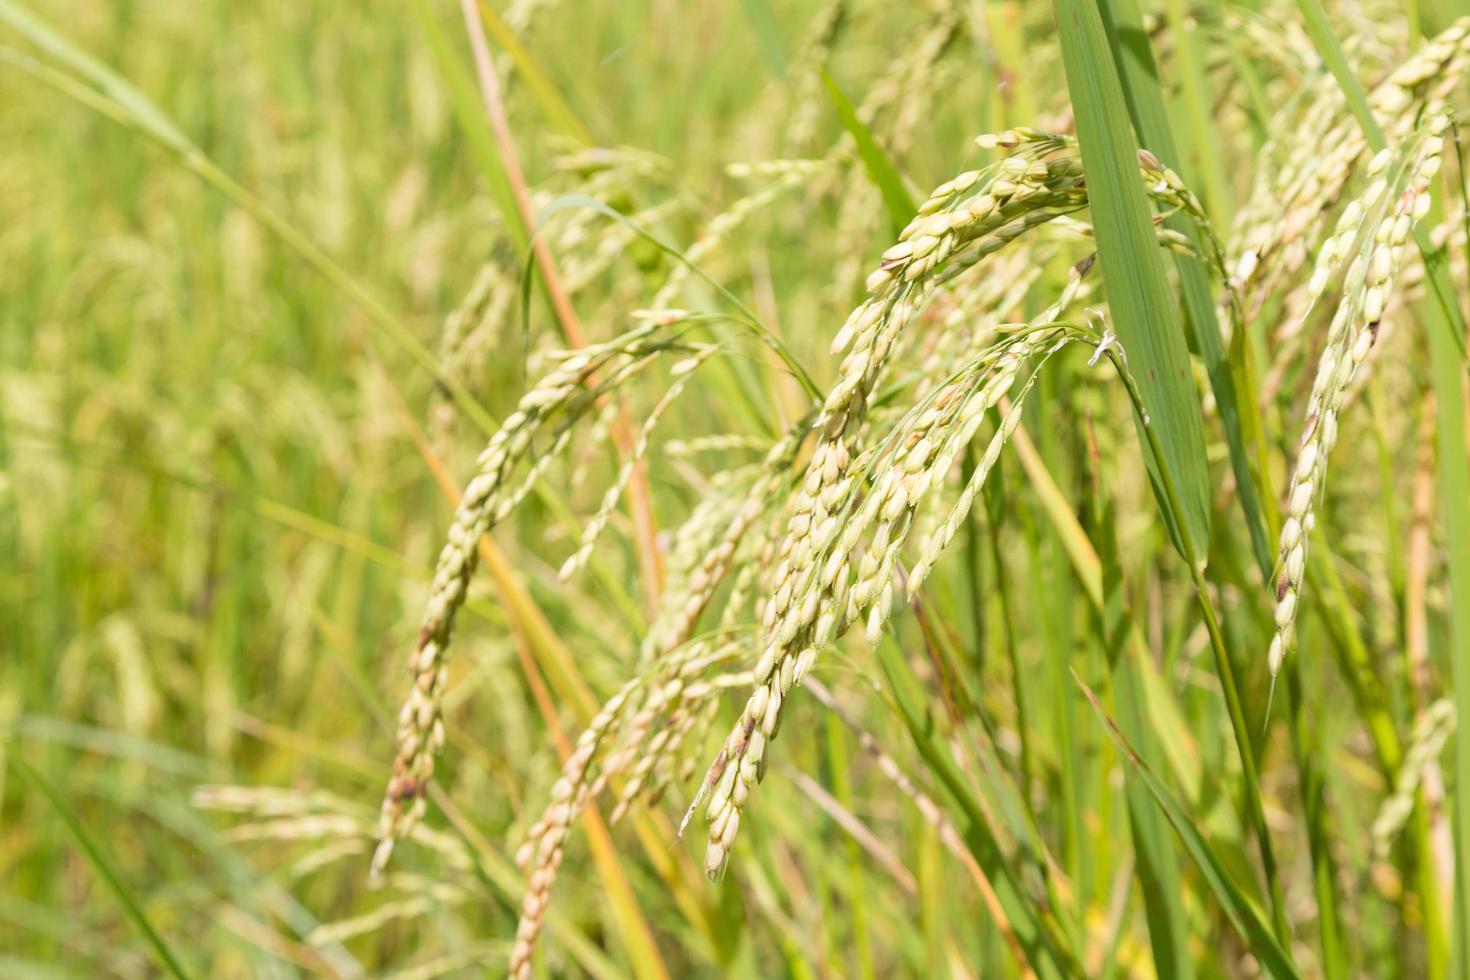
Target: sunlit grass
(716, 431)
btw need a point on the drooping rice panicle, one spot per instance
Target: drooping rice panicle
(468, 334)
(810, 598)
(1275, 232)
(809, 595)
(1431, 731)
(649, 719)
(682, 372)
(654, 768)
(1042, 342)
(558, 401)
(677, 627)
(671, 687)
(1381, 234)
(545, 844)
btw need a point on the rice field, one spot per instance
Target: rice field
(817, 489)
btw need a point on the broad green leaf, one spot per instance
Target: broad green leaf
(1144, 315)
(1239, 418)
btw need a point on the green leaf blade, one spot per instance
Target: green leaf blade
(1239, 416)
(103, 867)
(1144, 314)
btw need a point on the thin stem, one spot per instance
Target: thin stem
(1255, 811)
(1313, 794)
(974, 588)
(566, 314)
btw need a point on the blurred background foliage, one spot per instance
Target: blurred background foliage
(218, 509)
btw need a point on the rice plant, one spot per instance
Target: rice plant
(738, 489)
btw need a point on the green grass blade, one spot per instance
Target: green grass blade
(1320, 31)
(1158, 865)
(1143, 311)
(103, 868)
(142, 109)
(1312, 789)
(837, 757)
(896, 197)
(1239, 418)
(1242, 913)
